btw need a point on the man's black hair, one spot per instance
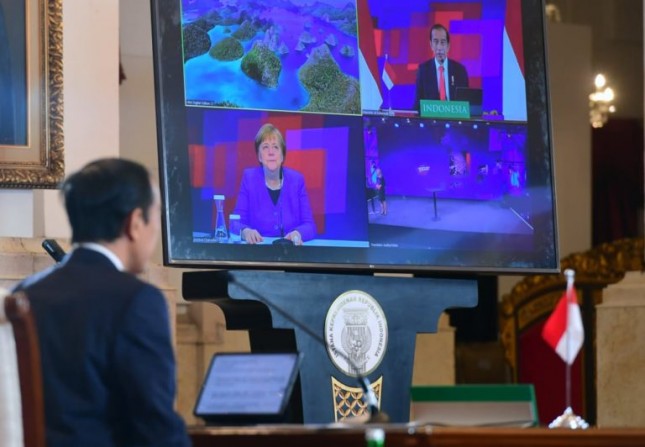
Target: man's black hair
(439, 26)
(101, 196)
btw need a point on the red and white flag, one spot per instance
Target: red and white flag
(563, 330)
(371, 97)
(388, 74)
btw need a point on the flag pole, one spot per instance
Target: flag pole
(389, 90)
(570, 275)
(568, 419)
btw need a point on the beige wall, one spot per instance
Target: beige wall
(137, 100)
(617, 45)
(91, 115)
(570, 77)
(137, 136)
(91, 120)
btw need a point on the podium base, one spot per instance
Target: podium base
(570, 420)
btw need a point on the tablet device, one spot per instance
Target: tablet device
(247, 388)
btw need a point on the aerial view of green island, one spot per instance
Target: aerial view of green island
(292, 55)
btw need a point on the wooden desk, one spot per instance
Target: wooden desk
(402, 436)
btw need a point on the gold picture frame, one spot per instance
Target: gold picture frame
(32, 150)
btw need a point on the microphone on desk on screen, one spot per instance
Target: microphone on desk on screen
(281, 240)
(375, 415)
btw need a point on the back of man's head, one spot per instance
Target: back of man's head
(101, 196)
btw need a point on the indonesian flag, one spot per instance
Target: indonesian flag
(371, 97)
(388, 75)
(563, 330)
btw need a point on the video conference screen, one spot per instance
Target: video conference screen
(371, 134)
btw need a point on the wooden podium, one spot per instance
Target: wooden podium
(371, 319)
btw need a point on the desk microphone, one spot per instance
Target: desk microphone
(375, 415)
(282, 240)
(53, 249)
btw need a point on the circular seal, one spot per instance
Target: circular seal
(356, 333)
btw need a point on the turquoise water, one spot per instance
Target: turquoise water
(209, 81)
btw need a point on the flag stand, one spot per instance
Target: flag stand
(569, 419)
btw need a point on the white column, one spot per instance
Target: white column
(619, 353)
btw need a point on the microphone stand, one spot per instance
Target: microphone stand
(375, 415)
(281, 240)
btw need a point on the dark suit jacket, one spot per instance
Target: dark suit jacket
(428, 85)
(107, 357)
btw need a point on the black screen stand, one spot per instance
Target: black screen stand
(410, 305)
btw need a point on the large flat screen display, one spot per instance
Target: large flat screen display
(380, 135)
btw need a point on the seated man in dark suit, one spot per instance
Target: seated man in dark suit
(107, 356)
(439, 77)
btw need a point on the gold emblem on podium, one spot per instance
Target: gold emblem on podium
(356, 333)
(348, 400)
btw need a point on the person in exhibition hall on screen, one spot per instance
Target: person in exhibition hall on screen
(273, 200)
(105, 344)
(439, 77)
(380, 190)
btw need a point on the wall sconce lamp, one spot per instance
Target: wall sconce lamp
(601, 102)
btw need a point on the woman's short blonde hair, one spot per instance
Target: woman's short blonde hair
(266, 131)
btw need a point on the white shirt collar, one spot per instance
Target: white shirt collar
(104, 251)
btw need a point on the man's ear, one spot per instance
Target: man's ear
(133, 224)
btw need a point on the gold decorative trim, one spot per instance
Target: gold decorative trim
(55, 60)
(40, 164)
(535, 296)
(348, 400)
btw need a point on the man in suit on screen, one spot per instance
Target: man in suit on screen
(106, 350)
(439, 77)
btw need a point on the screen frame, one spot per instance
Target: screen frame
(172, 130)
